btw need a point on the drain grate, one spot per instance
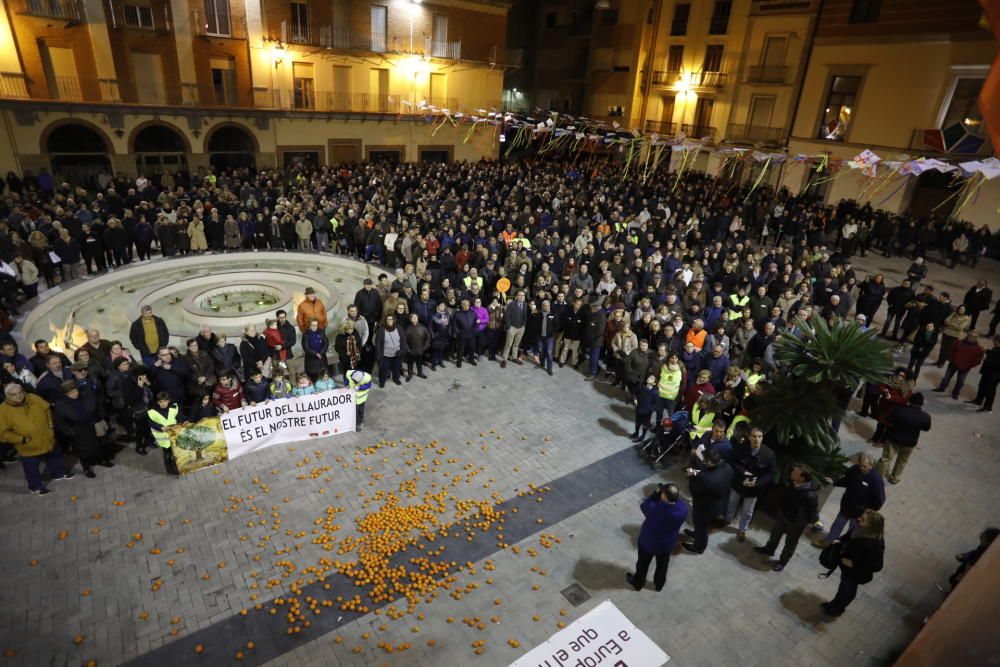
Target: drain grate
(575, 595)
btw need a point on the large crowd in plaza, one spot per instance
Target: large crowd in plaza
(675, 290)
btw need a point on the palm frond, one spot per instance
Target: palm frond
(842, 355)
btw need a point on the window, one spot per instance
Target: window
(679, 24)
(609, 17)
(302, 86)
(865, 11)
(675, 58)
(300, 22)
(380, 28)
(224, 81)
(217, 17)
(719, 25)
(963, 107)
(837, 112)
(138, 16)
(713, 58)
(550, 20)
(439, 37)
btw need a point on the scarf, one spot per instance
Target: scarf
(352, 351)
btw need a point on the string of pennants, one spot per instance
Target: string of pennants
(576, 136)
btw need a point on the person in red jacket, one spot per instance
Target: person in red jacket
(228, 394)
(275, 342)
(965, 355)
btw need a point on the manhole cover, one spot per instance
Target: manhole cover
(575, 595)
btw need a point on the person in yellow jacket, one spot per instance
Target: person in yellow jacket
(669, 385)
(361, 383)
(26, 423)
(702, 416)
(163, 414)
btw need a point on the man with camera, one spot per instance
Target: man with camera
(665, 512)
(754, 470)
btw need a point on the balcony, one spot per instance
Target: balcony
(125, 16)
(666, 78)
(327, 101)
(13, 85)
(756, 133)
(65, 10)
(767, 74)
(504, 57)
(698, 131)
(661, 127)
(707, 81)
(446, 50)
(225, 26)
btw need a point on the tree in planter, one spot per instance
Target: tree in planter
(797, 408)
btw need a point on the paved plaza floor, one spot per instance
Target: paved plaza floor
(527, 485)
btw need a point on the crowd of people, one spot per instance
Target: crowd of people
(674, 290)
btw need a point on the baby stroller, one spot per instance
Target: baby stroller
(673, 431)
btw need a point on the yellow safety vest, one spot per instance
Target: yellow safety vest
(160, 435)
(753, 379)
(702, 422)
(361, 388)
(737, 303)
(732, 427)
(669, 384)
(468, 282)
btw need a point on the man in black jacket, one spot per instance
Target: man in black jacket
(864, 489)
(897, 299)
(905, 424)
(369, 303)
(709, 488)
(593, 337)
(797, 508)
(989, 377)
(754, 471)
(288, 333)
(572, 325)
(464, 330)
(976, 300)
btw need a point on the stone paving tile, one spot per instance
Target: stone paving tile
(717, 608)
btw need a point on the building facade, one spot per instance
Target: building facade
(902, 78)
(140, 85)
(830, 77)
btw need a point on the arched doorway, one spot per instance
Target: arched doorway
(159, 148)
(77, 153)
(231, 147)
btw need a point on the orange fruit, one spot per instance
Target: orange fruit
(199, 648)
(78, 639)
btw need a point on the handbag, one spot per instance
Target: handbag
(830, 558)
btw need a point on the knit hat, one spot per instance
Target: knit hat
(68, 386)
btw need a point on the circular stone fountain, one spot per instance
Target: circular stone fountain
(225, 292)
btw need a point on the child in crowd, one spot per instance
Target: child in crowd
(280, 387)
(303, 386)
(324, 382)
(256, 389)
(646, 397)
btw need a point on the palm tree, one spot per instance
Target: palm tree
(797, 408)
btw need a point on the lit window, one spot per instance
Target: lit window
(839, 107)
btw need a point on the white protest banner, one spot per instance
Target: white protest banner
(288, 420)
(603, 636)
